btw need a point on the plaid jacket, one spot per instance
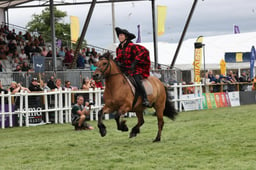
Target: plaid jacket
(130, 52)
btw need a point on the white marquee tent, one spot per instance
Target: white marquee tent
(215, 48)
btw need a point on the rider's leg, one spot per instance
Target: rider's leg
(142, 91)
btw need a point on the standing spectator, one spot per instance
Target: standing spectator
(51, 83)
(34, 85)
(244, 79)
(58, 84)
(79, 113)
(2, 89)
(25, 67)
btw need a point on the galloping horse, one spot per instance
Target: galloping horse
(118, 96)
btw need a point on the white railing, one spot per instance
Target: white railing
(179, 99)
(61, 107)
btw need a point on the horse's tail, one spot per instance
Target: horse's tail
(169, 109)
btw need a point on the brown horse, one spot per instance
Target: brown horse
(118, 96)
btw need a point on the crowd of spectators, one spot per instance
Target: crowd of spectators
(19, 49)
(229, 81)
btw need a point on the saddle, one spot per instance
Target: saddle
(147, 85)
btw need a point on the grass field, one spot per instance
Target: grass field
(211, 139)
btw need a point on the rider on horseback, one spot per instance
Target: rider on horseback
(134, 59)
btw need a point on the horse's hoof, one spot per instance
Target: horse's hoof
(123, 127)
(157, 140)
(102, 130)
(133, 135)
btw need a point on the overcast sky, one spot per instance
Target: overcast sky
(211, 17)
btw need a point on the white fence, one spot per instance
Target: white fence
(187, 101)
(61, 106)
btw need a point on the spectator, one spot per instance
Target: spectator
(80, 61)
(244, 79)
(68, 85)
(25, 67)
(61, 53)
(58, 84)
(79, 113)
(22, 55)
(49, 54)
(17, 87)
(34, 85)
(18, 69)
(86, 84)
(1, 67)
(44, 52)
(51, 83)
(2, 89)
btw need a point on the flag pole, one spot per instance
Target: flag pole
(183, 33)
(154, 33)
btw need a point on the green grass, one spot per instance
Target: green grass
(210, 139)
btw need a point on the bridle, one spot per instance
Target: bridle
(103, 71)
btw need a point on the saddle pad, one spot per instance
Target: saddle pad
(147, 85)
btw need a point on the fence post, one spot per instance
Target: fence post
(60, 106)
(180, 96)
(10, 109)
(21, 109)
(2, 110)
(46, 106)
(56, 106)
(91, 99)
(175, 94)
(26, 109)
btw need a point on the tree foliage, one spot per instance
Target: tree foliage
(41, 23)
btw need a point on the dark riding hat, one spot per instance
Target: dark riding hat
(129, 35)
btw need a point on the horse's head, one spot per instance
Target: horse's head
(104, 66)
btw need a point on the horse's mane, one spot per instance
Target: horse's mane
(107, 55)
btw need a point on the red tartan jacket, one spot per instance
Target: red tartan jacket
(130, 52)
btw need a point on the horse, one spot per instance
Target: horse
(118, 97)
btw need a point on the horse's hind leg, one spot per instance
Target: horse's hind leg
(136, 128)
(160, 123)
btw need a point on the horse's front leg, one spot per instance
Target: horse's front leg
(120, 125)
(101, 126)
(136, 128)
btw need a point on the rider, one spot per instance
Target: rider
(134, 59)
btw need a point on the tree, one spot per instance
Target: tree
(41, 23)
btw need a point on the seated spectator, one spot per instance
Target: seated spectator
(93, 66)
(49, 54)
(41, 40)
(68, 57)
(44, 52)
(79, 113)
(25, 67)
(80, 61)
(22, 55)
(18, 69)
(61, 53)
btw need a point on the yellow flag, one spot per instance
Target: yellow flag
(198, 60)
(239, 57)
(161, 16)
(74, 28)
(222, 67)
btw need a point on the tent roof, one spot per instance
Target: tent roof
(12, 3)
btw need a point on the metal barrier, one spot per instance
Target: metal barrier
(61, 107)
